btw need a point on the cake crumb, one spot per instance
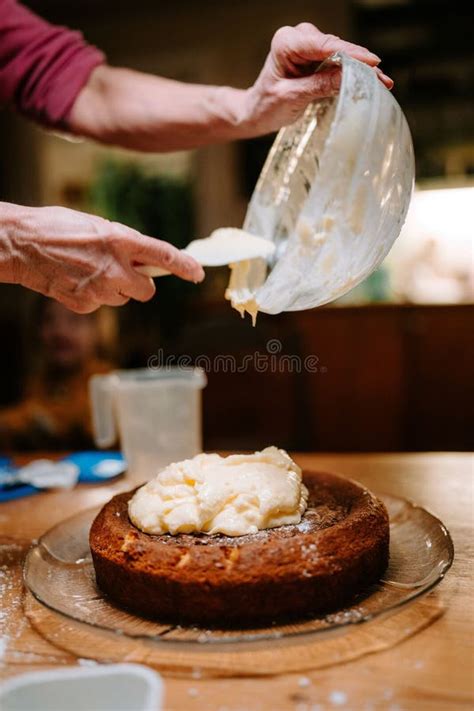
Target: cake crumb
(304, 681)
(196, 673)
(192, 691)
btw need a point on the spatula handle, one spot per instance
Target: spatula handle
(149, 271)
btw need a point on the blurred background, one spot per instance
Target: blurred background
(394, 358)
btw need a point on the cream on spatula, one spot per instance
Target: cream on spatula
(224, 246)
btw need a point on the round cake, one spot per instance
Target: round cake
(339, 548)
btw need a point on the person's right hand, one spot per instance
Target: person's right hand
(82, 260)
(288, 81)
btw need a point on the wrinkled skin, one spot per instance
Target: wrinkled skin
(287, 82)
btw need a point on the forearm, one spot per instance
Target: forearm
(148, 113)
(11, 217)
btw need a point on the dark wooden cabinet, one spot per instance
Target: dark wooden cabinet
(389, 378)
(439, 374)
(356, 404)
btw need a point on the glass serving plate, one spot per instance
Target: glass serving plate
(59, 573)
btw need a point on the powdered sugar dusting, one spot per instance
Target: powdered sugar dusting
(338, 698)
(305, 525)
(11, 624)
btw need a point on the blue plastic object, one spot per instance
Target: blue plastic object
(94, 467)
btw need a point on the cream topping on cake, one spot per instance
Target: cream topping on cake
(233, 495)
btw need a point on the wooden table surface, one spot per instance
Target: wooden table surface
(429, 671)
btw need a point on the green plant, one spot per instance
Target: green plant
(158, 206)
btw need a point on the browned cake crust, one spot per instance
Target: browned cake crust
(339, 548)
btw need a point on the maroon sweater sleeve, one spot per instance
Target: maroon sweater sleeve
(43, 67)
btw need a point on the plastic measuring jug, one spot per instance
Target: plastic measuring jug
(156, 415)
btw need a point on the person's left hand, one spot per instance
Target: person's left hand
(288, 83)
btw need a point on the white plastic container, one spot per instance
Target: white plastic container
(112, 687)
(156, 415)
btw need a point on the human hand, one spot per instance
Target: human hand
(82, 260)
(287, 82)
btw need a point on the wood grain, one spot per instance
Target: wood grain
(430, 670)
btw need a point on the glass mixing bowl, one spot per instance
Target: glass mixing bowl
(333, 196)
